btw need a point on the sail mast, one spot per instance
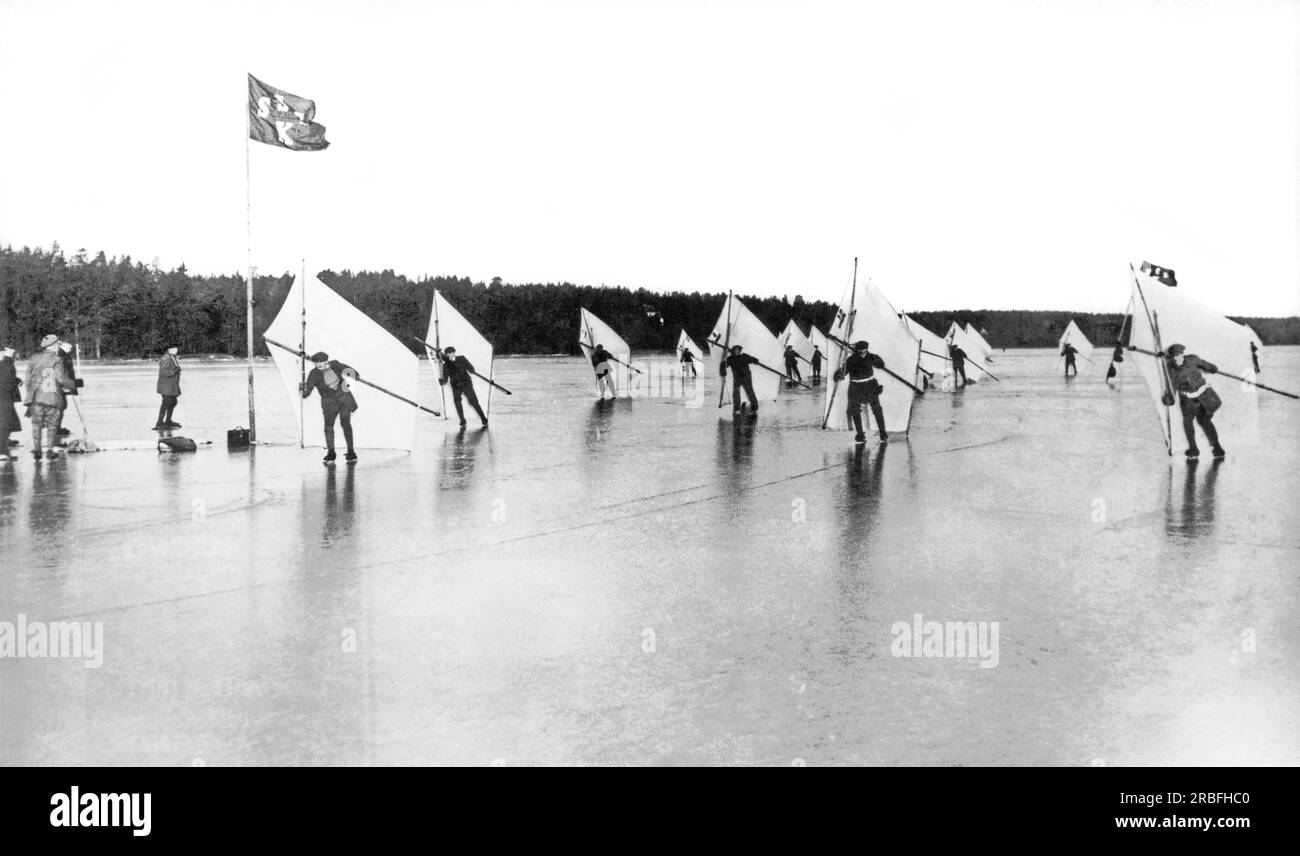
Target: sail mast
(848, 337)
(726, 350)
(302, 357)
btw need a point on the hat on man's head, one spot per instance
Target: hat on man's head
(736, 347)
(66, 347)
(320, 357)
(450, 349)
(1175, 349)
(860, 344)
(50, 339)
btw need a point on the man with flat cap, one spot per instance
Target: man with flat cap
(741, 378)
(330, 380)
(47, 387)
(859, 370)
(458, 370)
(1196, 398)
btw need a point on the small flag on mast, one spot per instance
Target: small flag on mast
(280, 118)
(1164, 274)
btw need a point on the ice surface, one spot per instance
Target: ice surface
(647, 583)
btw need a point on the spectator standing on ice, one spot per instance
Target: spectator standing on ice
(169, 387)
(817, 364)
(457, 369)
(688, 362)
(9, 384)
(47, 386)
(70, 369)
(1196, 398)
(330, 380)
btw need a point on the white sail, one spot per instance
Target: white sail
(866, 315)
(983, 350)
(592, 332)
(1258, 350)
(737, 325)
(934, 353)
(1073, 336)
(684, 341)
(818, 340)
(792, 335)
(447, 327)
(347, 334)
(959, 336)
(1164, 316)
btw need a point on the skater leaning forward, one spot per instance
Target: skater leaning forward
(1196, 398)
(459, 371)
(859, 369)
(600, 359)
(47, 386)
(330, 380)
(742, 380)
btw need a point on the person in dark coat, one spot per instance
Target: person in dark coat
(330, 380)
(688, 361)
(9, 384)
(817, 363)
(791, 365)
(958, 357)
(600, 362)
(739, 364)
(70, 369)
(1196, 398)
(456, 369)
(1068, 352)
(169, 387)
(859, 370)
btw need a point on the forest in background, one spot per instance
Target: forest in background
(121, 308)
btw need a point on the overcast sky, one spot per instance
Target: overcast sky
(985, 154)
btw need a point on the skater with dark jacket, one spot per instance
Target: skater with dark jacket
(169, 387)
(330, 380)
(1196, 398)
(792, 365)
(70, 369)
(1068, 352)
(457, 370)
(688, 362)
(958, 357)
(739, 364)
(859, 370)
(817, 363)
(9, 384)
(600, 361)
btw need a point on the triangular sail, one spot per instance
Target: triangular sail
(793, 336)
(684, 341)
(592, 332)
(934, 352)
(1073, 336)
(817, 339)
(1164, 316)
(983, 350)
(865, 314)
(447, 327)
(348, 335)
(739, 326)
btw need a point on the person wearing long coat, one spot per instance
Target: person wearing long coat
(9, 383)
(169, 387)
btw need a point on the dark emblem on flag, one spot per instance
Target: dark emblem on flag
(1164, 274)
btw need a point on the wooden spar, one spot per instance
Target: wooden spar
(726, 351)
(486, 380)
(388, 392)
(887, 371)
(839, 370)
(1225, 374)
(763, 365)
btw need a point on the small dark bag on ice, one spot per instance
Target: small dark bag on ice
(237, 438)
(177, 444)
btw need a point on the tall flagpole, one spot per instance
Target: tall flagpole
(302, 359)
(248, 282)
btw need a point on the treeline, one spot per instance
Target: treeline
(119, 307)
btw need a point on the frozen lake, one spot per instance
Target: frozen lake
(646, 583)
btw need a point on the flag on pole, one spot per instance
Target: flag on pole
(279, 118)
(1163, 274)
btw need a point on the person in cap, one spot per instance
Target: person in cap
(169, 387)
(817, 358)
(792, 366)
(688, 362)
(859, 370)
(1069, 352)
(47, 388)
(739, 363)
(600, 361)
(1196, 398)
(458, 371)
(9, 384)
(330, 380)
(958, 357)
